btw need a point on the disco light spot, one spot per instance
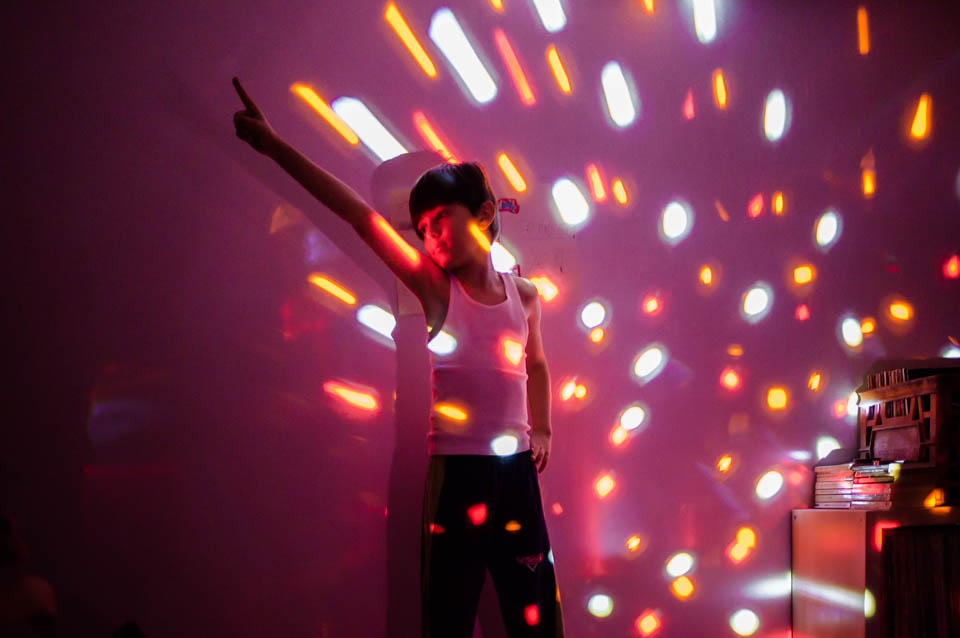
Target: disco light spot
(557, 509)
(618, 95)
(604, 485)
(509, 57)
(531, 614)
(446, 33)
(676, 221)
(755, 206)
(635, 544)
(719, 90)
(826, 445)
(559, 72)
(505, 445)
(802, 313)
(511, 172)
(688, 110)
(850, 332)
(618, 435)
(649, 363)
(868, 175)
(744, 622)
(570, 202)
(450, 411)
(647, 623)
(777, 398)
(769, 485)
(729, 379)
(377, 319)
(777, 203)
(950, 351)
(756, 302)
(513, 527)
(920, 127)
(682, 587)
(705, 20)
(853, 402)
(353, 395)
(593, 314)
(596, 183)
(803, 274)
(827, 229)
(815, 381)
(393, 16)
(679, 564)
(371, 132)
(651, 305)
(724, 463)
(551, 14)
(706, 276)
(776, 115)
(867, 326)
(477, 514)
(869, 604)
(951, 267)
(735, 350)
(901, 311)
(863, 31)
(600, 605)
(596, 335)
(633, 417)
(619, 191)
(878, 528)
(840, 408)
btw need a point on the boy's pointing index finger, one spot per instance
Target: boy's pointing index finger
(247, 102)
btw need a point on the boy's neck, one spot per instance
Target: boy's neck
(478, 276)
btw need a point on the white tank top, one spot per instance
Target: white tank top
(480, 387)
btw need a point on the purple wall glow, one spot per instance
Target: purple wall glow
(172, 456)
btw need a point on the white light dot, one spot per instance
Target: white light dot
(377, 319)
(570, 202)
(869, 604)
(649, 363)
(705, 20)
(442, 344)
(827, 229)
(600, 605)
(950, 352)
(775, 115)
(505, 445)
(675, 222)
(851, 333)
(757, 302)
(593, 314)
(852, 402)
(679, 564)
(769, 484)
(826, 445)
(618, 96)
(744, 622)
(632, 418)
(551, 14)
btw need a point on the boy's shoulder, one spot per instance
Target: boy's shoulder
(527, 289)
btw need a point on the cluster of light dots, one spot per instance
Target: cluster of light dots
(573, 200)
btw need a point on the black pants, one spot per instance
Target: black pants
(483, 512)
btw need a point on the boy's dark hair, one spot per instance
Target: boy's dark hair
(465, 183)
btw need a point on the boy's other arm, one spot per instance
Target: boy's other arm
(538, 374)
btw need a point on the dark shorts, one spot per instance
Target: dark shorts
(483, 512)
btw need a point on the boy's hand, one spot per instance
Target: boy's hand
(540, 447)
(252, 126)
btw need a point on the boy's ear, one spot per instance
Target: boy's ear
(487, 212)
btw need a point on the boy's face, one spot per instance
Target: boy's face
(446, 234)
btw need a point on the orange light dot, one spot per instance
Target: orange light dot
(634, 543)
(746, 536)
(512, 526)
(951, 267)
(840, 408)
(730, 379)
(802, 312)
(735, 350)
(878, 532)
(737, 552)
(651, 305)
(706, 275)
(901, 310)
(920, 127)
(682, 587)
(777, 398)
(618, 435)
(803, 274)
(597, 334)
(724, 463)
(719, 89)
(647, 623)
(814, 382)
(581, 391)
(604, 485)
(868, 325)
(863, 31)
(568, 390)
(619, 191)
(778, 203)
(755, 207)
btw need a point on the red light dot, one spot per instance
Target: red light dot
(803, 312)
(755, 207)
(531, 614)
(478, 514)
(951, 267)
(878, 532)
(557, 509)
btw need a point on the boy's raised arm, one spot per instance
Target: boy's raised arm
(416, 271)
